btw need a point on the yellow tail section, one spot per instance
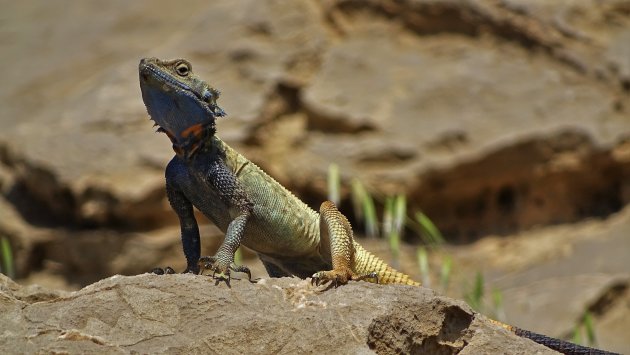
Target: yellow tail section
(365, 262)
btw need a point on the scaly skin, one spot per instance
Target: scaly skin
(249, 206)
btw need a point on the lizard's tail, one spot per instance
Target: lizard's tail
(562, 346)
(365, 263)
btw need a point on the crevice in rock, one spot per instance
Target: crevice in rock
(42, 200)
(283, 100)
(37, 194)
(561, 178)
(612, 295)
(411, 331)
(334, 124)
(456, 322)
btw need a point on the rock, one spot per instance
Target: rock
(28, 294)
(187, 313)
(399, 93)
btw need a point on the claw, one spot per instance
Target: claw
(370, 275)
(241, 268)
(166, 271)
(191, 270)
(220, 272)
(340, 277)
(205, 263)
(224, 277)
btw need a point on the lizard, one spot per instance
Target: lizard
(249, 206)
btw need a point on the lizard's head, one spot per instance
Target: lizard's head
(181, 104)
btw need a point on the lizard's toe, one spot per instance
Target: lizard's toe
(369, 275)
(167, 270)
(243, 269)
(222, 276)
(336, 277)
(340, 277)
(206, 263)
(220, 269)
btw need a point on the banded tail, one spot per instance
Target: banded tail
(558, 345)
(365, 262)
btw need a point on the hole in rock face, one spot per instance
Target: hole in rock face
(506, 199)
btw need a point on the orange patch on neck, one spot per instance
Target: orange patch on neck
(195, 130)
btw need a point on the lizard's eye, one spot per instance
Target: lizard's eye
(182, 68)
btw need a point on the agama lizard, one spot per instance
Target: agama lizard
(249, 206)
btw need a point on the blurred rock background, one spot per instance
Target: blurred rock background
(507, 122)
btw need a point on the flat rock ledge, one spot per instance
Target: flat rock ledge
(190, 314)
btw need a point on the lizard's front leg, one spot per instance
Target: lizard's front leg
(223, 261)
(225, 183)
(190, 231)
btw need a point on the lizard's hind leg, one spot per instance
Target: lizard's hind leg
(336, 230)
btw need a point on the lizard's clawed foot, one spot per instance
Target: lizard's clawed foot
(167, 270)
(221, 271)
(335, 277)
(340, 277)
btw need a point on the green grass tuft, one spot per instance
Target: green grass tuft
(423, 263)
(429, 232)
(334, 183)
(368, 211)
(6, 256)
(475, 296)
(445, 273)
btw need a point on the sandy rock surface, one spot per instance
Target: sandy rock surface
(187, 313)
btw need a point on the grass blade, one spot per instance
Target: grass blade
(475, 297)
(445, 273)
(590, 329)
(497, 304)
(358, 192)
(369, 211)
(577, 335)
(400, 212)
(423, 263)
(334, 182)
(388, 216)
(7, 257)
(431, 232)
(364, 208)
